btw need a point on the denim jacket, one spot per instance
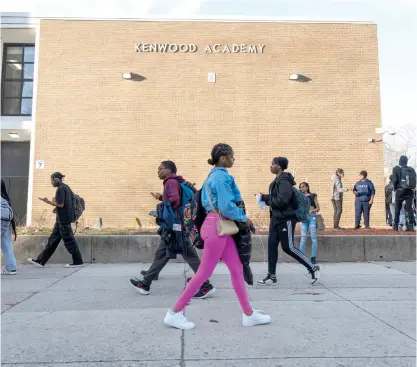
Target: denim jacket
(224, 194)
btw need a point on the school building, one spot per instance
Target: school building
(105, 101)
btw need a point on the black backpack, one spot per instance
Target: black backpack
(407, 178)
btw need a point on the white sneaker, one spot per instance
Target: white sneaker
(74, 265)
(8, 272)
(257, 318)
(178, 320)
(34, 262)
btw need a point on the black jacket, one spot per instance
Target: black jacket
(280, 198)
(388, 193)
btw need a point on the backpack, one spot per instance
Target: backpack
(407, 178)
(78, 206)
(194, 216)
(187, 192)
(302, 205)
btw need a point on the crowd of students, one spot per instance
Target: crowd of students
(224, 218)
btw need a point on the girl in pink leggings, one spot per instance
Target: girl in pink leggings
(224, 194)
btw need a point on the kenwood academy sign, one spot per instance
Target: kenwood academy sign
(192, 48)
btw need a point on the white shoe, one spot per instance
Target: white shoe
(8, 272)
(74, 265)
(178, 320)
(34, 262)
(257, 318)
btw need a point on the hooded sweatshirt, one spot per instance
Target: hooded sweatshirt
(337, 188)
(280, 198)
(396, 172)
(172, 190)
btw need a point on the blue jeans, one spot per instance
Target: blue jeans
(311, 225)
(7, 245)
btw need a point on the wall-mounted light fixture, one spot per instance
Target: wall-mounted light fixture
(382, 131)
(299, 78)
(14, 135)
(373, 140)
(127, 75)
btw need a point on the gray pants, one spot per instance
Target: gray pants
(161, 259)
(337, 212)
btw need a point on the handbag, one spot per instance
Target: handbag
(225, 227)
(320, 222)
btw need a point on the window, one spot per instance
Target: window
(17, 85)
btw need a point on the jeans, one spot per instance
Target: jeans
(64, 232)
(311, 225)
(338, 210)
(283, 232)
(401, 221)
(7, 245)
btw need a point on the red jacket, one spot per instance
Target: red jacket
(172, 190)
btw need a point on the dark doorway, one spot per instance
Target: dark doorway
(15, 173)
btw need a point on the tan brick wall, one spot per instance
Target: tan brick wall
(108, 134)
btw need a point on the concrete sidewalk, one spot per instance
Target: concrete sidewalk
(361, 314)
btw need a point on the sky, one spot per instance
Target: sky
(396, 20)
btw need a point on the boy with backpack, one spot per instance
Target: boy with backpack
(66, 207)
(287, 207)
(175, 196)
(404, 181)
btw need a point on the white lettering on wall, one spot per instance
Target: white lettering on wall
(191, 48)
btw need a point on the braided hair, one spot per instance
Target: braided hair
(218, 151)
(5, 196)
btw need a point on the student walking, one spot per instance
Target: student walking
(63, 207)
(337, 191)
(311, 224)
(364, 191)
(219, 196)
(8, 225)
(282, 203)
(167, 172)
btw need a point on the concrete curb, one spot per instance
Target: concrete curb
(141, 248)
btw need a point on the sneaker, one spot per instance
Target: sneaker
(315, 274)
(368, 228)
(36, 262)
(410, 228)
(205, 292)
(339, 229)
(395, 227)
(357, 227)
(313, 260)
(144, 272)
(270, 279)
(74, 265)
(257, 318)
(178, 320)
(8, 272)
(142, 288)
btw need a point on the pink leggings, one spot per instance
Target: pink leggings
(216, 247)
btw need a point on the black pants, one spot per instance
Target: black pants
(64, 232)
(161, 259)
(362, 207)
(337, 212)
(389, 218)
(407, 196)
(283, 232)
